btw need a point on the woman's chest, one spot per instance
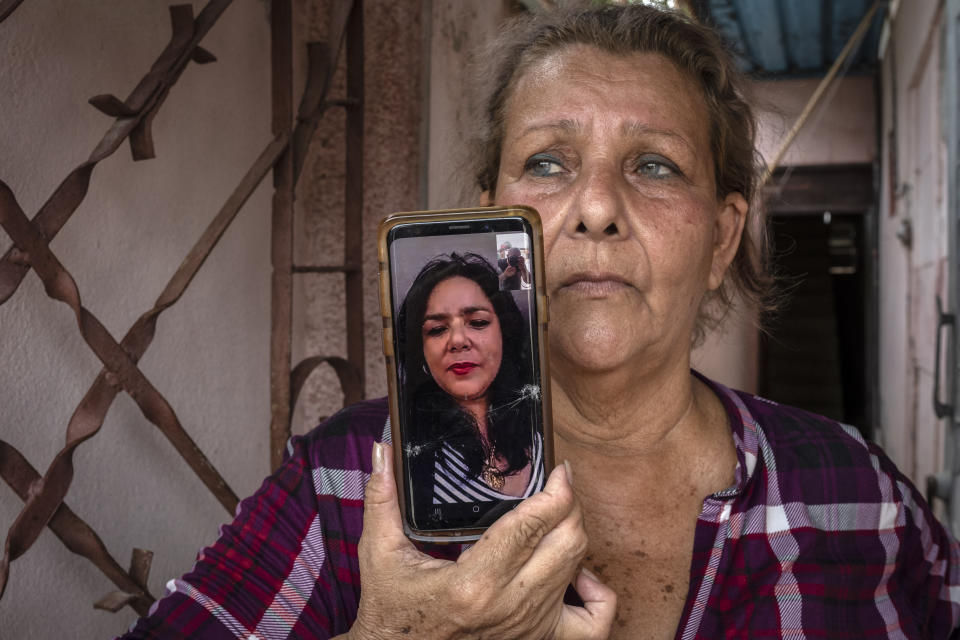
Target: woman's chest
(759, 575)
(648, 566)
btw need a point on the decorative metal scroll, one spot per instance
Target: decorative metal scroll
(133, 119)
(346, 374)
(31, 250)
(7, 7)
(77, 535)
(346, 27)
(43, 496)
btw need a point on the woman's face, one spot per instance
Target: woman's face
(462, 343)
(614, 152)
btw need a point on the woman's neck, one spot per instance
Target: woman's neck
(627, 411)
(477, 407)
(632, 439)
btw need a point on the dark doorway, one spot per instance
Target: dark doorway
(817, 355)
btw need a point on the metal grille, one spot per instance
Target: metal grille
(44, 495)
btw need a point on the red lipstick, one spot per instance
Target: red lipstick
(462, 368)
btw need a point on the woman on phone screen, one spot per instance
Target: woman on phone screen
(467, 368)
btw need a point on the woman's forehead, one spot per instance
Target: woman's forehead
(455, 293)
(572, 86)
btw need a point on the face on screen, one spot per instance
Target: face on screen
(462, 342)
(467, 374)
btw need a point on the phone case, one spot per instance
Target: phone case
(386, 313)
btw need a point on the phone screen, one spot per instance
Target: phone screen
(468, 369)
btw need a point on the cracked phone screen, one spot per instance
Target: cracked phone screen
(468, 376)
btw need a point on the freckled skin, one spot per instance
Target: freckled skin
(614, 152)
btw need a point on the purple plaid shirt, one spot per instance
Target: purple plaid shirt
(820, 536)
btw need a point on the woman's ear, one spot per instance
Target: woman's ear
(485, 198)
(727, 232)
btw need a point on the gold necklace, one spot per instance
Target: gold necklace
(492, 477)
(491, 474)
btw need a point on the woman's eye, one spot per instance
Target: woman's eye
(656, 168)
(542, 166)
(479, 324)
(435, 330)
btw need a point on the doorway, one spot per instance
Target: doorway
(818, 353)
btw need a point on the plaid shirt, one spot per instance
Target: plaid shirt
(820, 536)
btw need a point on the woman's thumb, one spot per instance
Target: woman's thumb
(382, 524)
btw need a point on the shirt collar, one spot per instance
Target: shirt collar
(746, 436)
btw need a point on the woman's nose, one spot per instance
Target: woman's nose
(598, 210)
(458, 338)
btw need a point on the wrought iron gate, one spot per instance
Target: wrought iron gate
(44, 495)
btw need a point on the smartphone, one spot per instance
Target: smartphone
(464, 312)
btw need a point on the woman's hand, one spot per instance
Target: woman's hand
(524, 272)
(510, 584)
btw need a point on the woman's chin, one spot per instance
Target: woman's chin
(465, 391)
(594, 348)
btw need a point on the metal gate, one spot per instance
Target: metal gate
(44, 494)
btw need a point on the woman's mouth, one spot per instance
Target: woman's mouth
(595, 285)
(462, 368)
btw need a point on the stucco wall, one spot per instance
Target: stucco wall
(458, 29)
(210, 354)
(392, 179)
(914, 193)
(841, 131)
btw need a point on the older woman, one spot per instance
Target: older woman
(684, 509)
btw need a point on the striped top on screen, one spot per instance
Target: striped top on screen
(453, 484)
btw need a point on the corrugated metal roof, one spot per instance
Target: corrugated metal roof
(792, 37)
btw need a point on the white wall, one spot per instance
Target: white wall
(729, 353)
(914, 192)
(458, 29)
(210, 354)
(842, 130)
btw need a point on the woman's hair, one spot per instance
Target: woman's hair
(431, 414)
(698, 52)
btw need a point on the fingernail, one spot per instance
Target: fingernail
(566, 466)
(378, 462)
(589, 574)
